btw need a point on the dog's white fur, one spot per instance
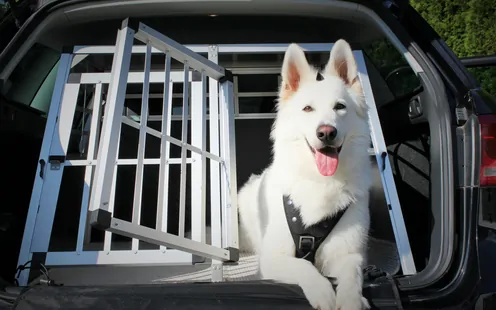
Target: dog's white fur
(293, 171)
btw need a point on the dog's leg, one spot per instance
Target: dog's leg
(277, 263)
(349, 274)
(343, 256)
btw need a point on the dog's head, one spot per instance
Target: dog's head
(319, 113)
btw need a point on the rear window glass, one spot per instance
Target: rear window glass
(30, 74)
(395, 71)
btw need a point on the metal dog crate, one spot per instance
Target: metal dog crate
(107, 117)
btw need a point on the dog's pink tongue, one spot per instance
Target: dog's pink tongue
(326, 163)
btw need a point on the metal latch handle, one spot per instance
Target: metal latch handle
(55, 161)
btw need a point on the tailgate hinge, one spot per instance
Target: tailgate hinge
(397, 8)
(461, 112)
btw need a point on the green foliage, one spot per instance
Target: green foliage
(487, 78)
(469, 29)
(481, 28)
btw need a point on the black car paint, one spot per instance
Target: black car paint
(461, 285)
(475, 248)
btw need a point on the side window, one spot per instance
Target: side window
(394, 70)
(32, 81)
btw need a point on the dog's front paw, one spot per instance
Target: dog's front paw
(319, 293)
(350, 301)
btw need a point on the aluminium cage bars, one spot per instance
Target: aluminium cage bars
(173, 249)
(100, 215)
(101, 172)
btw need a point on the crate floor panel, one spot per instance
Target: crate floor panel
(382, 254)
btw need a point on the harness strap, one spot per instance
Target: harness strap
(308, 239)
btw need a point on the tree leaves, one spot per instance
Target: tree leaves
(469, 29)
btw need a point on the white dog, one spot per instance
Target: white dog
(321, 169)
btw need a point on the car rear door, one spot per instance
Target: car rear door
(472, 129)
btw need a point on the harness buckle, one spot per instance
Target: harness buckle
(306, 243)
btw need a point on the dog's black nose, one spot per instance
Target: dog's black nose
(326, 133)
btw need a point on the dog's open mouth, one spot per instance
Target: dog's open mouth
(326, 159)
(327, 150)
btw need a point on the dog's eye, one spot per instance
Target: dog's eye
(339, 106)
(308, 109)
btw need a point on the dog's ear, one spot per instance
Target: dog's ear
(295, 68)
(342, 63)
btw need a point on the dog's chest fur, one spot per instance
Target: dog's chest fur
(315, 201)
(325, 200)
(318, 200)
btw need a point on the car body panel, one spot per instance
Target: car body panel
(459, 280)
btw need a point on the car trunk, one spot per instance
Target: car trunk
(25, 106)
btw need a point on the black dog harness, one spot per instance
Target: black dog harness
(307, 240)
